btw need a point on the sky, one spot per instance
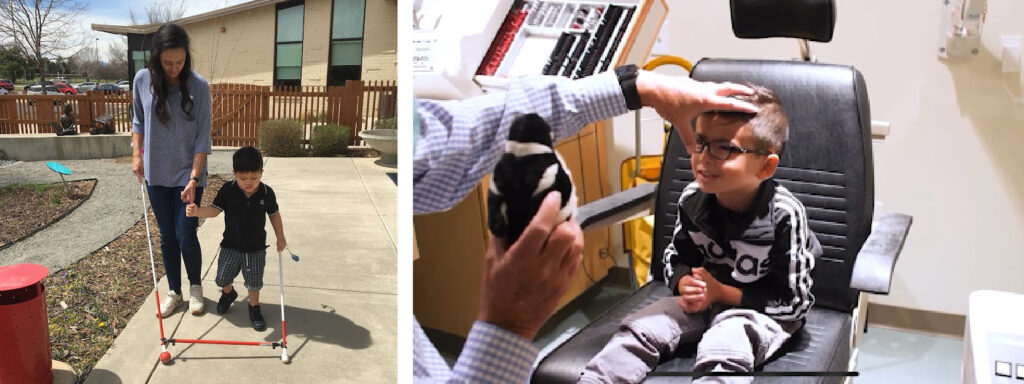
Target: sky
(116, 12)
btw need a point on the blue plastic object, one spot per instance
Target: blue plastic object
(58, 167)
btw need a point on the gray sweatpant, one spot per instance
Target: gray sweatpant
(734, 340)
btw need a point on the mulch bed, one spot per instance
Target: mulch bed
(92, 300)
(30, 207)
(362, 152)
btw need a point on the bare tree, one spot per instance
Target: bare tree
(159, 12)
(118, 65)
(86, 61)
(43, 29)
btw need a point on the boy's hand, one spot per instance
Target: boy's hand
(713, 291)
(190, 210)
(281, 243)
(692, 294)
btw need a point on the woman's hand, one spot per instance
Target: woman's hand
(137, 167)
(189, 193)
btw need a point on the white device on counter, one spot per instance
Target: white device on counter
(994, 338)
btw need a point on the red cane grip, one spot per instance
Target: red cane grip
(24, 328)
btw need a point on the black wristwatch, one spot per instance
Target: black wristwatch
(627, 80)
(196, 179)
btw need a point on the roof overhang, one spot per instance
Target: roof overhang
(150, 28)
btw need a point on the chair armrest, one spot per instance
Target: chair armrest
(872, 272)
(617, 207)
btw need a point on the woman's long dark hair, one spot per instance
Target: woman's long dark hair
(169, 36)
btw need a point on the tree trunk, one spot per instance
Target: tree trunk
(42, 76)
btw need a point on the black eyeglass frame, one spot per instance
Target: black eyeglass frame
(725, 145)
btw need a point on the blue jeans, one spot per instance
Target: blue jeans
(178, 238)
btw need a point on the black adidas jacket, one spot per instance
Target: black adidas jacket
(768, 252)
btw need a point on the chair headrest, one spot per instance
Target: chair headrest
(803, 19)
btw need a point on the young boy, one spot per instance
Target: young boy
(739, 262)
(246, 202)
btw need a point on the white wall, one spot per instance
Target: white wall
(952, 158)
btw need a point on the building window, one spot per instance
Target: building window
(288, 55)
(346, 41)
(139, 59)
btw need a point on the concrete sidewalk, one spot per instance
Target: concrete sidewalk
(340, 217)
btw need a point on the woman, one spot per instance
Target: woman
(170, 141)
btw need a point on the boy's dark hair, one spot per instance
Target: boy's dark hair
(247, 159)
(769, 125)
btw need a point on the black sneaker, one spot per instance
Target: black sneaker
(225, 301)
(257, 318)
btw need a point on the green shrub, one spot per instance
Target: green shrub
(331, 139)
(281, 138)
(391, 123)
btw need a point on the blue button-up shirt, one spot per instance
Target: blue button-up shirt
(457, 144)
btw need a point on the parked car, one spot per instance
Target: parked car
(3, 91)
(60, 79)
(7, 85)
(37, 90)
(125, 85)
(86, 86)
(36, 83)
(108, 88)
(66, 89)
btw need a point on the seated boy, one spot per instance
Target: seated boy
(246, 203)
(739, 263)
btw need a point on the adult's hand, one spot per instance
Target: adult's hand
(522, 284)
(680, 99)
(137, 167)
(189, 193)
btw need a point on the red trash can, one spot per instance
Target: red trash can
(24, 327)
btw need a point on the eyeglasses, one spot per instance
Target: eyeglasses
(722, 150)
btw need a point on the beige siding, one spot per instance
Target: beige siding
(316, 42)
(237, 48)
(380, 40)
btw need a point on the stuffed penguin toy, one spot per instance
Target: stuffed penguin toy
(526, 173)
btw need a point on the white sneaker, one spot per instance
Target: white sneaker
(195, 299)
(170, 302)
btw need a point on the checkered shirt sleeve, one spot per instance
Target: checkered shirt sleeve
(491, 355)
(461, 141)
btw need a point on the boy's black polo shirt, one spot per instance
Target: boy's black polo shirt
(245, 217)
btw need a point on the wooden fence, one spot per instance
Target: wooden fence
(237, 109)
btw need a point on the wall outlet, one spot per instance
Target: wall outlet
(879, 129)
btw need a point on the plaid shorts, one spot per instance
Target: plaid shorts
(251, 264)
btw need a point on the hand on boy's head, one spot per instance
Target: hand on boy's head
(680, 99)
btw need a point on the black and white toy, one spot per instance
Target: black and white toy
(526, 173)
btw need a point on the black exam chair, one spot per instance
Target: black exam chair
(828, 166)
